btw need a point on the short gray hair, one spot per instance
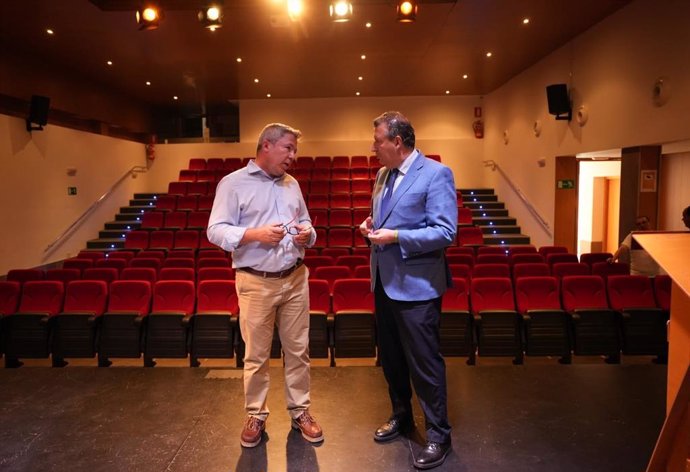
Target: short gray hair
(398, 125)
(274, 131)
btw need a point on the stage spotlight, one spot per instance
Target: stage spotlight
(149, 16)
(407, 11)
(211, 17)
(341, 11)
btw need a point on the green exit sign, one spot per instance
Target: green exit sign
(565, 184)
(71, 190)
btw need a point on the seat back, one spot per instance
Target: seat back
(353, 294)
(217, 295)
(177, 273)
(528, 249)
(465, 259)
(215, 273)
(491, 259)
(492, 250)
(590, 258)
(9, 296)
(527, 257)
(351, 261)
(86, 295)
(212, 262)
(555, 258)
(530, 270)
(77, 263)
(630, 291)
(182, 262)
(470, 235)
(64, 275)
(319, 295)
(546, 250)
(111, 263)
(174, 295)
(137, 239)
(332, 274)
(456, 298)
(106, 274)
(42, 296)
(492, 293)
(605, 269)
(130, 295)
(188, 239)
(490, 270)
(583, 291)
(563, 269)
(537, 293)
(148, 274)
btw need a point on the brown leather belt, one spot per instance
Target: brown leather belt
(272, 275)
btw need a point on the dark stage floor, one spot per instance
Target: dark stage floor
(591, 417)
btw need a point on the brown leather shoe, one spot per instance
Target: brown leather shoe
(252, 431)
(310, 429)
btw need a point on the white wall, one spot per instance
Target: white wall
(588, 172)
(33, 196)
(611, 69)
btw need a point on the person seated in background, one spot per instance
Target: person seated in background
(686, 217)
(630, 252)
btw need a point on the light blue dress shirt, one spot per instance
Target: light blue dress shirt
(249, 198)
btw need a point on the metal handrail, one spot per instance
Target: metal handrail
(525, 201)
(80, 220)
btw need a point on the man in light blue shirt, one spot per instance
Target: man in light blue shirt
(260, 216)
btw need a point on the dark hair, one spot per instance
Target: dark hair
(274, 131)
(686, 212)
(398, 125)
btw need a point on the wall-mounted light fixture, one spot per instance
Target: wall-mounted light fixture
(211, 16)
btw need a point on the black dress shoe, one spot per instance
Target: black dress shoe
(432, 455)
(392, 428)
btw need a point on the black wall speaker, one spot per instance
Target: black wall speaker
(38, 112)
(559, 102)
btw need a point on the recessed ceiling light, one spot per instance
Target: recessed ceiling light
(50, 31)
(148, 83)
(239, 59)
(525, 21)
(110, 63)
(256, 81)
(464, 76)
(175, 97)
(357, 93)
(295, 9)
(447, 92)
(360, 78)
(363, 56)
(368, 24)
(268, 95)
(489, 54)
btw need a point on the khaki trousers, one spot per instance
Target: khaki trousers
(285, 303)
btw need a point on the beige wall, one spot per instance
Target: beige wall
(33, 196)
(611, 69)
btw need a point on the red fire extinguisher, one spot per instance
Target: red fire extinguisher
(151, 148)
(478, 127)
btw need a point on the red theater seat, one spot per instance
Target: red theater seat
(457, 326)
(215, 321)
(353, 325)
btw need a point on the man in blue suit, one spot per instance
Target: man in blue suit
(414, 217)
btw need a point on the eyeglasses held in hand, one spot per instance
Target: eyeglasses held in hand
(293, 230)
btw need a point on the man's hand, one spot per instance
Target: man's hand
(366, 227)
(304, 235)
(269, 234)
(383, 236)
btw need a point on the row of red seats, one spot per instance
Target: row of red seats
(167, 202)
(174, 220)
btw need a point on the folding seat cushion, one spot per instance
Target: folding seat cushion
(106, 274)
(530, 270)
(353, 322)
(457, 326)
(596, 326)
(470, 236)
(177, 273)
(498, 323)
(490, 270)
(215, 321)
(148, 274)
(137, 239)
(152, 220)
(74, 329)
(643, 323)
(121, 331)
(215, 273)
(605, 269)
(590, 258)
(63, 275)
(168, 324)
(26, 332)
(546, 324)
